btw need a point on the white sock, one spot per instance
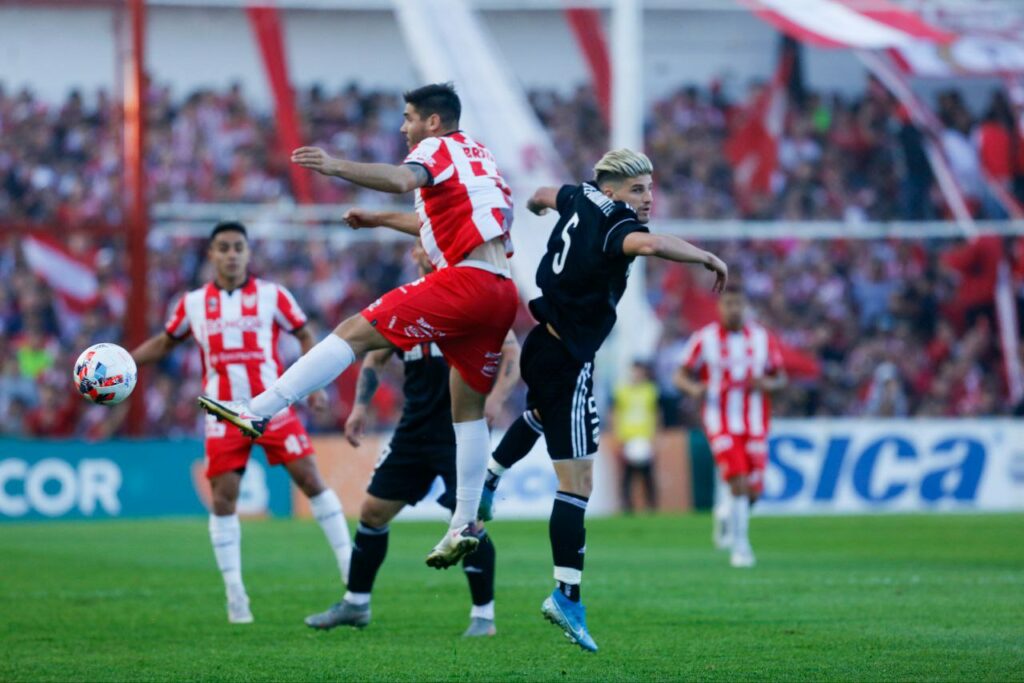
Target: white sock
(357, 598)
(314, 370)
(327, 509)
(472, 450)
(226, 537)
(482, 611)
(740, 520)
(496, 467)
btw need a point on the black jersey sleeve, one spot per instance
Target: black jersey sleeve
(621, 223)
(563, 201)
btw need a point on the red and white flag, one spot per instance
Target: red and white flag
(753, 146)
(70, 276)
(864, 24)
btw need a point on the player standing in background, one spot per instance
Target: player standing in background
(466, 306)
(733, 366)
(635, 423)
(236, 320)
(421, 449)
(602, 227)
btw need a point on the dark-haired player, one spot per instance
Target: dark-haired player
(466, 306)
(236, 319)
(602, 227)
(421, 449)
(733, 366)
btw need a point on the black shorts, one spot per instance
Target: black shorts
(561, 389)
(406, 472)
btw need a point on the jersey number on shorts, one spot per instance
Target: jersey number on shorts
(558, 263)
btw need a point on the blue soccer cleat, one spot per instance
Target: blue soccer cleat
(485, 512)
(569, 616)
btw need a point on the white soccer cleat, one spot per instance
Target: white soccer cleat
(237, 413)
(742, 559)
(453, 546)
(238, 609)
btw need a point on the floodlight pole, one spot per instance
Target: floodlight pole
(136, 209)
(627, 75)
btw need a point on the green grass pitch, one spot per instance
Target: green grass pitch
(837, 598)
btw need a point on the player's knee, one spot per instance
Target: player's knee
(224, 502)
(373, 513)
(738, 486)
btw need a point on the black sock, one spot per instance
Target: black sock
(568, 539)
(518, 440)
(368, 551)
(479, 568)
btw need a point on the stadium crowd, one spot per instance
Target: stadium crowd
(897, 328)
(839, 158)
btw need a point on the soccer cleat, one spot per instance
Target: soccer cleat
(485, 512)
(453, 546)
(237, 413)
(569, 616)
(743, 559)
(238, 609)
(478, 626)
(342, 613)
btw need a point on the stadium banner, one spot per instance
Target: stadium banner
(42, 479)
(862, 466)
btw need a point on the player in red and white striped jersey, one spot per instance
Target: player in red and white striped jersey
(733, 366)
(236, 320)
(466, 306)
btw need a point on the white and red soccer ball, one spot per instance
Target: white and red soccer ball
(105, 374)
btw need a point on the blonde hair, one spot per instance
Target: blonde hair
(620, 164)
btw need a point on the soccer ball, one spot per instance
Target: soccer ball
(105, 373)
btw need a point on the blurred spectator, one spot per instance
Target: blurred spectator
(635, 421)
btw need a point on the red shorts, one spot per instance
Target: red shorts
(227, 449)
(741, 454)
(466, 311)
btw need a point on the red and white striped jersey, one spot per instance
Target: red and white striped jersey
(467, 201)
(728, 362)
(237, 333)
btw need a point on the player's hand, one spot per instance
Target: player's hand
(536, 207)
(361, 218)
(314, 159)
(721, 271)
(318, 401)
(355, 426)
(492, 408)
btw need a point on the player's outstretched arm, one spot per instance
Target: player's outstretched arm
(402, 221)
(382, 177)
(366, 387)
(155, 348)
(676, 249)
(543, 199)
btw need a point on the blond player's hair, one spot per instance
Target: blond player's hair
(619, 164)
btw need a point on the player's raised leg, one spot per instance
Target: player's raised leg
(514, 446)
(368, 553)
(314, 370)
(326, 508)
(226, 538)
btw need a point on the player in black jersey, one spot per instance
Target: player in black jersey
(421, 449)
(602, 227)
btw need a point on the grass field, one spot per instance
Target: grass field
(851, 598)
